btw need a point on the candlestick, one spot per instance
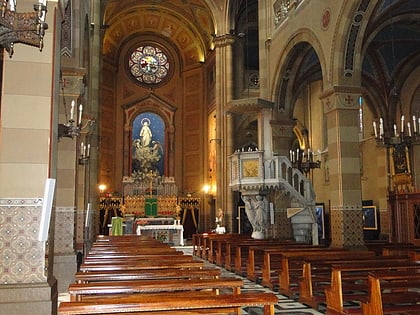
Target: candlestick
(381, 127)
(72, 110)
(402, 123)
(80, 114)
(374, 129)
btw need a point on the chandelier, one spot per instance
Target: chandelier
(26, 28)
(304, 161)
(408, 133)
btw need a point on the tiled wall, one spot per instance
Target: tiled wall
(22, 256)
(64, 230)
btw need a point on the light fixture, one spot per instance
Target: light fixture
(84, 153)
(390, 134)
(26, 28)
(73, 128)
(304, 161)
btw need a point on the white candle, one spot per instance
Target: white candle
(44, 2)
(395, 130)
(271, 213)
(381, 127)
(72, 110)
(402, 123)
(12, 5)
(409, 129)
(290, 155)
(82, 149)
(88, 150)
(80, 113)
(374, 129)
(414, 124)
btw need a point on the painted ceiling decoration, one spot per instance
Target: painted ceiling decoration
(185, 24)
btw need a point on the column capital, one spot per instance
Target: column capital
(224, 40)
(341, 97)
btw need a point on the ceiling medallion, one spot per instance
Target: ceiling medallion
(149, 65)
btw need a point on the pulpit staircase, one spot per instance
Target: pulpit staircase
(251, 171)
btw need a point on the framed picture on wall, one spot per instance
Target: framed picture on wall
(370, 220)
(320, 220)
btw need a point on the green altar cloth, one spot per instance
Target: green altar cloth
(150, 207)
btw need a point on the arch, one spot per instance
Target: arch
(302, 41)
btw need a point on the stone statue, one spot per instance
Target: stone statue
(256, 211)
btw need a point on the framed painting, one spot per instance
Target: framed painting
(320, 220)
(370, 220)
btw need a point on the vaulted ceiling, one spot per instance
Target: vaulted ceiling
(188, 25)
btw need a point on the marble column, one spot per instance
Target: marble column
(341, 107)
(224, 82)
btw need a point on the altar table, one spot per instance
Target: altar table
(155, 228)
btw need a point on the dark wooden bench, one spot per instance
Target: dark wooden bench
(392, 292)
(316, 274)
(355, 286)
(125, 275)
(78, 291)
(142, 265)
(169, 303)
(135, 258)
(260, 257)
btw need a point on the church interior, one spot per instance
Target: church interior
(281, 119)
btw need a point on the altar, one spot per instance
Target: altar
(166, 233)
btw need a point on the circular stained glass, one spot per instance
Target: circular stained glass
(148, 64)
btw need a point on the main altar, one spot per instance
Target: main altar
(154, 209)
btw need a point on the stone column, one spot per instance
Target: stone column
(224, 197)
(342, 109)
(28, 140)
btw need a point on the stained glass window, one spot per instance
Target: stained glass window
(148, 64)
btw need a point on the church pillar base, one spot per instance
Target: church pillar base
(29, 298)
(65, 266)
(347, 227)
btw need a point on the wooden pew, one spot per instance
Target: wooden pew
(219, 246)
(356, 276)
(142, 265)
(316, 274)
(263, 255)
(236, 251)
(211, 242)
(293, 264)
(125, 275)
(136, 258)
(78, 291)
(392, 292)
(153, 304)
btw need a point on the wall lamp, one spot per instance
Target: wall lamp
(26, 28)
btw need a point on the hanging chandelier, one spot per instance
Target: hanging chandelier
(22, 27)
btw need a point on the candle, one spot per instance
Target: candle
(374, 129)
(82, 149)
(72, 110)
(395, 130)
(290, 155)
(80, 113)
(12, 5)
(402, 123)
(381, 127)
(414, 124)
(409, 129)
(88, 150)
(44, 2)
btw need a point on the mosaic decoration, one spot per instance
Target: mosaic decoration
(22, 258)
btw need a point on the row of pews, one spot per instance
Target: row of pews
(383, 278)
(135, 275)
